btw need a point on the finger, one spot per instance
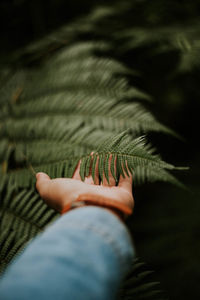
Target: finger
(127, 181)
(76, 174)
(96, 176)
(111, 178)
(42, 175)
(89, 179)
(48, 190)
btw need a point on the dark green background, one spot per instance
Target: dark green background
(166, 222)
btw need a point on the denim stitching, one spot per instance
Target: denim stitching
(107, 238)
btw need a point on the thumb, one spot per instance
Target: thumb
(42, 183)
(42, 176)
(46, 188)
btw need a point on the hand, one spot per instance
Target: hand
(60, 192)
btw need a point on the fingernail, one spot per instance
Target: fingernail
(40, 174)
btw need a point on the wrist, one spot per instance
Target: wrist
(79, 204)
(116, 212)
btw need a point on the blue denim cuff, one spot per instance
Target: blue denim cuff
(107, 226)
(83, 255)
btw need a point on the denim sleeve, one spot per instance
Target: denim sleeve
(83, 255)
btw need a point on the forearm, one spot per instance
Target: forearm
(83, 255)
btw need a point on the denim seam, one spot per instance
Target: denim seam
(107, 238)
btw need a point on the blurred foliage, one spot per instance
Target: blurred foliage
(160, 42)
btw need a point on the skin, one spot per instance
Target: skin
(60, 192)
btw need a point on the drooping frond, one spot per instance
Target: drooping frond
(129, 155)
(23, 215)
(184, 40)
(138, 284)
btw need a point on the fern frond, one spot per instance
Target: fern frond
(107, 114)
(138, 284)
(77, 98)
(181, 39)
(155, 174)
(23, 215)
(134, 154)
(41, 128)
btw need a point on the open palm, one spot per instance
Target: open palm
(60, 193)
